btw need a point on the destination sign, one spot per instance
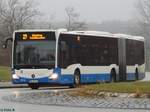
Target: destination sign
(35, 36)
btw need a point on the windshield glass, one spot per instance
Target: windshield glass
(33, 54)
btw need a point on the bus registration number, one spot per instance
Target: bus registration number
(33, 81)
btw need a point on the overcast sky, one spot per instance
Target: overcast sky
(90, 10)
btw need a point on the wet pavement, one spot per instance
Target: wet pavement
(28, 107)
(64, 98)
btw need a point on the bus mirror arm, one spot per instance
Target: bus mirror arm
(5, 42)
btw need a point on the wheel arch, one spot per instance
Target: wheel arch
(114, 67)
(113, 74)
(77, 69)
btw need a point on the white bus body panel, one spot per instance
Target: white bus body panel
(89, 69)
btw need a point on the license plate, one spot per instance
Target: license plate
(33, 81)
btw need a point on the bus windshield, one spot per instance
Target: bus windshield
(34, 54)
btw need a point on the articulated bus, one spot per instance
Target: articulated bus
(72, 58)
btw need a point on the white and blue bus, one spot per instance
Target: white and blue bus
(62, 57)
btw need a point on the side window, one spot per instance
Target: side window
(134, 52)
(62, 53)
(99, 51)
(69, 48)
(87, 50)
(140, 52)
(130, 52)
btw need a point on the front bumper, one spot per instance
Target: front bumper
(68, 79)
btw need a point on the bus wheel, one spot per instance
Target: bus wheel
(34, 86)
(76, 79)
(136, 74)
(113, 75)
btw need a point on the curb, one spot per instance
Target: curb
(7, 87)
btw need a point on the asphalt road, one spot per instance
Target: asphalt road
(20, 107)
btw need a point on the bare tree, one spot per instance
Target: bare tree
(51, 21)
(143, 8)
(73, 22)
(15, 15)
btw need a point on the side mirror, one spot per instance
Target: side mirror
(4, 46)
(5, 42)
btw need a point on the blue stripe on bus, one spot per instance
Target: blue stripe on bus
(141, 76)
(66, 79)
(92, 78)
(24, 80)
(86, 78)
(130, 76)
(69, 78)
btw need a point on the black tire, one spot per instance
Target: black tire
(34, 86)
(76, 79)
(113, 75)
(136, 74)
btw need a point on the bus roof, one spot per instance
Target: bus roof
(91, 33)
(39, 30)
(33, 30)
(105, 34)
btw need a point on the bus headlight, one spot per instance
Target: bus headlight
(53, 76)
(14, 76)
